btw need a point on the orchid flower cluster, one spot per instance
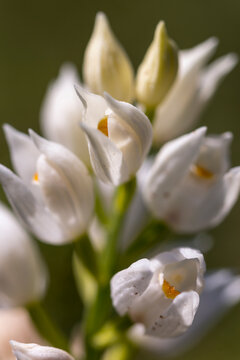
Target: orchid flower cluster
(116, 177)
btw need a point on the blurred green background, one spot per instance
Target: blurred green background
(37, 37)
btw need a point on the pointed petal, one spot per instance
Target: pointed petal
(231, 189)
(37, 352)
(61, 113)
(182, 106)
(198, 206)
(179, 111)
(73, 172)
(214, 154)
(177, 318)
(23, 153)
(197, 57)
(23, 276)
(34, 215)
(182, 258)
(106, 158)
(158, 70)
(95, 106)
(106, 66)
(128, 285)
(136, 119)
(169, 169)
(60, 199)
(214, 74)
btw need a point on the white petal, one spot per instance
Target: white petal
(37, 352)
(128, 285)
(214, 153)
(75, 175)
(136, 119)
(23, 275)
(221, 291)
(38, 219)
(196, 57)
(182, 259)
(60, 199)
(61, 113)
(106, 158)
(183, 104)
(178, 317)
(95, 106)
(198, 206)
(23, 153)
(231, 189)
(170, 167)
(126, 140)
(152, 303)
(214, 74)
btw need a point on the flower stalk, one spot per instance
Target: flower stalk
(46, 327)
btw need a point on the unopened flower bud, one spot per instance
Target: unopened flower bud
(106, 66)
(158, 70)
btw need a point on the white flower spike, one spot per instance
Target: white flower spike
(158, 70)
(37, 352)
(61, 113)
(106, 66)
(190, 186)
(194, 87)
(54, 196)
(119, 136)
(23, 276)
(161, 293)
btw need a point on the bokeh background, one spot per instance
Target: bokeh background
(37, 37)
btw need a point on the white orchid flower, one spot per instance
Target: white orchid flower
(53, 194)
(161, 293)
(119, 136)
(23, 276)
(37, 352)
(195, 85)
(190, 186)
(221, 292)
(61, 113)
(106, 66)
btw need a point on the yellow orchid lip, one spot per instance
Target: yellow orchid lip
(35, 177)
(169, 290)
(103, 125)
(201, 172)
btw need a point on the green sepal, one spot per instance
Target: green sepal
(85, 281)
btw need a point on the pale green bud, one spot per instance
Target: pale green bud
(158, 69)
(106, 66)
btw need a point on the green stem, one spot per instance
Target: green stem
(100, 309)
(86, 254)
(122, 199)
(46, 327)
